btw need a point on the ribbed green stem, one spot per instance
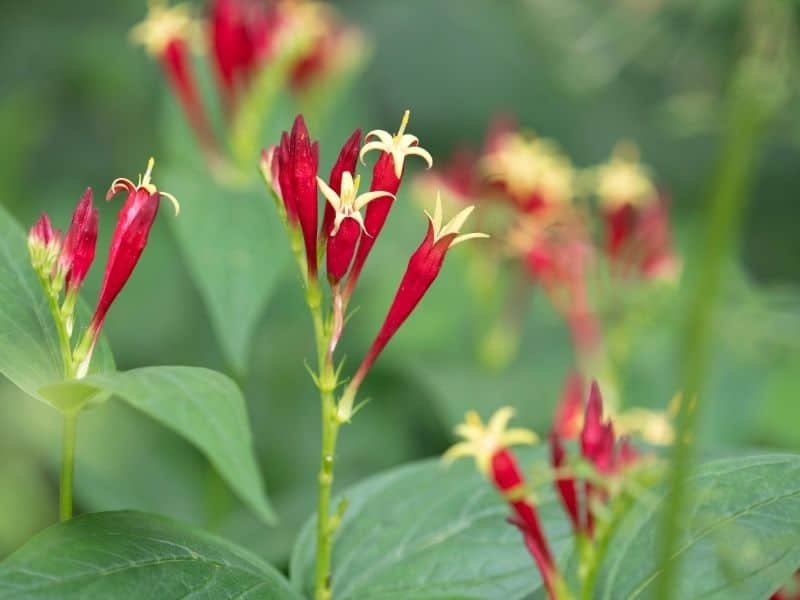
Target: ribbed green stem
(67, 467)
(726, 205)
(326, 381)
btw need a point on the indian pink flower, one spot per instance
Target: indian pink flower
(489, 445)
(128, 241)
(166, 34)
(422, 270)
(347, 223)
(345, 163)
(638, 237)
(387, 175)
(530, 171)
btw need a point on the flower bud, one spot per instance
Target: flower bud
(43, 245)
(297, 163)
(77, 252)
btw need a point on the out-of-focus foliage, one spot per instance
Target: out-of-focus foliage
(79, 105)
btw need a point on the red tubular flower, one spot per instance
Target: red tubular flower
(508, 479)
(345, 162)
(129, 240)
(77, 252)
(387, 175)
(347, 222)
(423, 268)
(565, 486)
(241, 37)
(165, 33)
(569, 412)
(296, 161)
(489, 445)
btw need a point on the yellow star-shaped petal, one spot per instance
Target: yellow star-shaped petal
(348, 203)
(399, 145)
(483, 441)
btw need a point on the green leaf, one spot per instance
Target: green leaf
(427, 530)
(29, 351)
(235, 247)
(203, 406)
(135, 555)
(739, 539)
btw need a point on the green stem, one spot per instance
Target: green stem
(67, 466)
(325, 528)
(727, 201)
(61, 328)
(326, 381)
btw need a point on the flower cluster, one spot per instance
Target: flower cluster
(586, 485)
(533, 201)
(550, 233)
(62, 265)
(304, 41)
(346, 236)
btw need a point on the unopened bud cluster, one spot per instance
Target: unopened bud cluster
(62, 264)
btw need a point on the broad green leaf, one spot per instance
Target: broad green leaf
(29, 351)
(427, 530)
(135, 555)
(740, 535)
(203, 406)
(235, 247)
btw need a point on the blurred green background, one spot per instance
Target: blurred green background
(79, 105)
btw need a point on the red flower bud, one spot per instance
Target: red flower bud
(569, 412)
(565, 486)
(345, 163)
(42, 232)
(423, 268)
(78, 249)
(593, 433)
(297, 162)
